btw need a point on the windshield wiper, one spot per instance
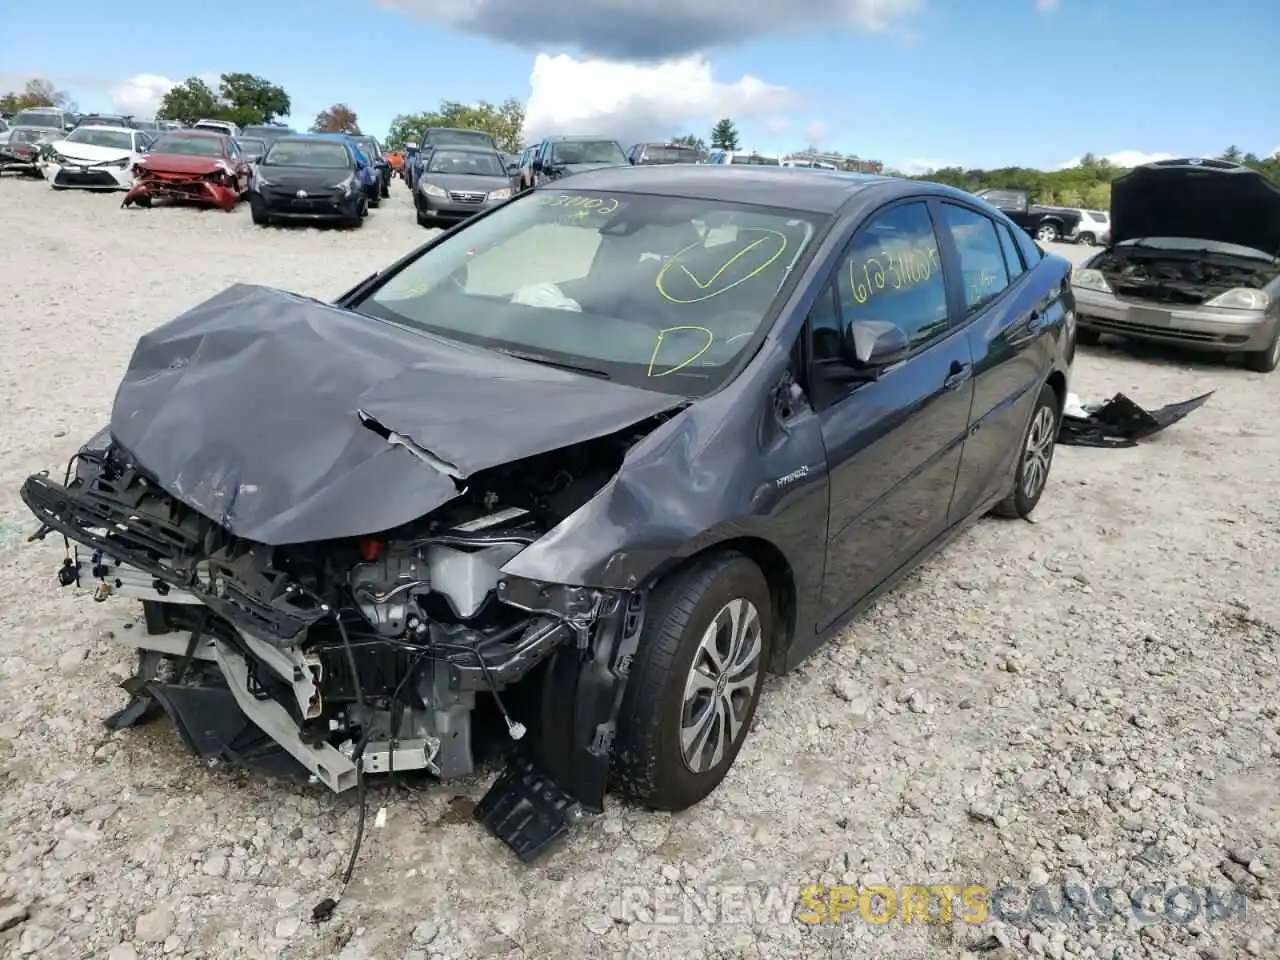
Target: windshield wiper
(548, 362)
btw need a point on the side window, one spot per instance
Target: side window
(1031, 254)
(1012, 259)
(892, 272)
(981, 258)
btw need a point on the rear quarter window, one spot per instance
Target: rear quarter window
(1031, 254)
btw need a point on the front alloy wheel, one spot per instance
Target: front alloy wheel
(695, 681)
(1047, 233)
(721, 685)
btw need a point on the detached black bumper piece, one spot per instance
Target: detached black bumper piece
(1122, 423)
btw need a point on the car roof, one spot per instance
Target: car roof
(581, 137)
(465, 148)
(109, 128)
(198, 132)
(786, 187)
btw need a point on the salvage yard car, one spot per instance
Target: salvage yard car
(1193, 261)
(95, 158)
(308, 179)
(192, 166)
(20, 152)
(556, 158)
(457, 183)
(372, 151)
(590, 464)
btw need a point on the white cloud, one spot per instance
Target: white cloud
(633, 101)
(776, 125)
(918, 166)
(140, 95)
(815, 134)
(1121, 158)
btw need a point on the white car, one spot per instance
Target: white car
(1094, 229)
(96, 158)
(218, 126)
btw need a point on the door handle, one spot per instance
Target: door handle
(958, 374)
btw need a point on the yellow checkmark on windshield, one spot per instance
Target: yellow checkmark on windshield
(704, 284)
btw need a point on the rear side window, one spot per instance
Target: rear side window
(981, 257)
(1012, 258)
(1031, 254)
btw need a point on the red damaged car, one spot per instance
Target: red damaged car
(196, 166)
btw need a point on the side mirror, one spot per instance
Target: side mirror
(876, 344)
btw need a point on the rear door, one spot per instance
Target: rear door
(1009, 314)
(893, 446)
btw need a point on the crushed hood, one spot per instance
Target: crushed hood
(250, 408)
(181, 163)
(1197, 199)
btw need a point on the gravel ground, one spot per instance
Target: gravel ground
(1090, 699)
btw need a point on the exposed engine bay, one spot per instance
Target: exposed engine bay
(324, 660)
(1179, 278)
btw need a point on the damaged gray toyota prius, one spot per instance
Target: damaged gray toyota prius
(590, 464)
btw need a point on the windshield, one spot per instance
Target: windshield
(756, 160)
(308, 153)
(104, 122)
(588, 151)
(369, 146)
(27, 135)
(189, 145)
(38, 118)
(252, 147)
(459, 137)
(661, 293)
(670, 155)
(122, 140)
(466, 163)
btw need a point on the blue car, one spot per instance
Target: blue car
(365, 169)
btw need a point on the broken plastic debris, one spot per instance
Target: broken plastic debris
(1120, 422)
(380, 820)
(1074, 408)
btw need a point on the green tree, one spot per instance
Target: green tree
(189, 101)
(504, 122)
(1232, 153)
(241, 98)
(690, 140)
(36, 92)
(255, 99)
(337, 119)
(724, 135)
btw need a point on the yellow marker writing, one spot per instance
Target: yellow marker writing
(761, 246)
(657, 346)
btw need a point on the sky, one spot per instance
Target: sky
(917, 84)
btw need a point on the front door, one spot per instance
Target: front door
(893, 446)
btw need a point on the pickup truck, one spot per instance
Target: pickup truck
(1046, 224)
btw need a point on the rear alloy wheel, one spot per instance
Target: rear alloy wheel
(1047, 233)
(695, 682)
(1264, 361)
(1088, 239)
(1034, 460)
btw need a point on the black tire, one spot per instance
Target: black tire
(1048, 232)
(1086, 337)
(1264, 361)
(1088, 239)
(1021, 502)
(649, 762)
(259, 216)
